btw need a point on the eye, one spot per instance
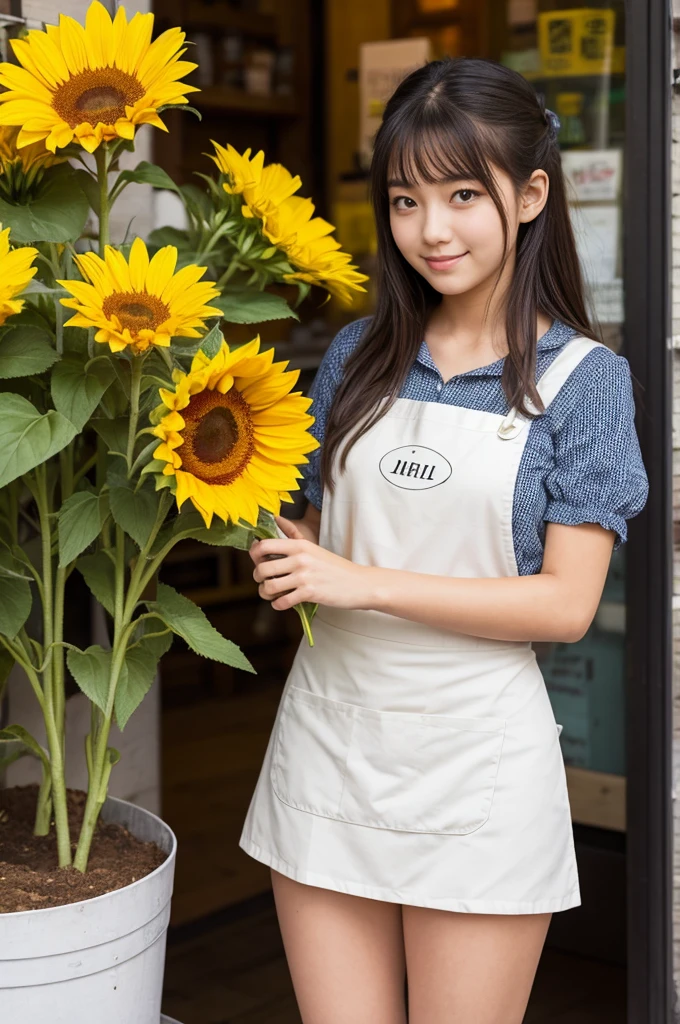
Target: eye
(403, 203)
(465, 195)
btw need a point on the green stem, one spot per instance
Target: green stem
(22, 658)
(102, 160)
(55, 738)
(43, 810)
(85, 468)
(13, 493)
(135, 388)
(234, 265)
(98, 755)
(306, 612)
(66, 465)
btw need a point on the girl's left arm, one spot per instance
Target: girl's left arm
(557, 604)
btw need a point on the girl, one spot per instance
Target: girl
(478, 463)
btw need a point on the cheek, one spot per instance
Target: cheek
(404, 232)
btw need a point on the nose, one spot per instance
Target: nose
(436, 227)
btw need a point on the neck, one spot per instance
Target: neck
(475, 320)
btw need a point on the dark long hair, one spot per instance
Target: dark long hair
(455, 118)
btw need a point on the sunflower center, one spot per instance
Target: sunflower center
(218, 436)
(136, 310)
(95, 95)
(104, 98)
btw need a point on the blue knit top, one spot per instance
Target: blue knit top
(581, 462)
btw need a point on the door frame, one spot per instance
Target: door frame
(648, 346)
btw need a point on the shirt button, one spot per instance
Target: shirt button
(439, 387)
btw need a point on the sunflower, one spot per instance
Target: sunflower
(233, 434)
(261, 188)
(306, 241)
(140, 303)
(31, 159)
(93, 84)
(16, 271)
(288, 222)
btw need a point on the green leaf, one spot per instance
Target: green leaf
(146, 173)
(188, 621)
(197, 202)
(169, 236)
(98, 572)
(56, 212)
(89, 187)
(80, 521)
(76, 392)
(25, 350)
(133, 510)
(114, 433)
(28, 438)
(211, 343)
(16, 742)
(141, 664)
(219, 535)
(253, 307)
(91, 669)
(15, 598)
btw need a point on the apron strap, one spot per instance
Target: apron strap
(550, 383)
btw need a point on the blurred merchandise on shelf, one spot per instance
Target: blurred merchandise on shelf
(569, 108)
(382, 66)
(437, 5)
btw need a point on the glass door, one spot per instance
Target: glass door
(575, 58)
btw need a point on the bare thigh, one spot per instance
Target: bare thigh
(345, 954)
(471, 968)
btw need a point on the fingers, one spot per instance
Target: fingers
(260, 549)
(267, 569)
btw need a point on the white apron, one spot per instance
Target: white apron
(411, 764)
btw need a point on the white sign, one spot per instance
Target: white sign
(597, 240)
(382, 66)
(593, 175)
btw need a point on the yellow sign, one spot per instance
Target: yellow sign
(576, 42)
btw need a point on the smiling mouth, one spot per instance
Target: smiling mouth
(443, 262)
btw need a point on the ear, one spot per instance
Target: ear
(534, 197)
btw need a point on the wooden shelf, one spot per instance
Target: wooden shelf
(597, 798)
(199, 16)
(237, 101)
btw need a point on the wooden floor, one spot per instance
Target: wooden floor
(212, 753)
(232, 970)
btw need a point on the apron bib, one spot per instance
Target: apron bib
(408, 763)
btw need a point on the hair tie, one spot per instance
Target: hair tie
(554, 123)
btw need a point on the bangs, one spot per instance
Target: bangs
(435, 145)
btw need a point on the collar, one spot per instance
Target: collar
(557, 335)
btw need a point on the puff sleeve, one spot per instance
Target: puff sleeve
(598, 475)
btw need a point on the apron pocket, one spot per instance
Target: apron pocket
(385, 769)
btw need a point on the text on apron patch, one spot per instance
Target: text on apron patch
(415, 467)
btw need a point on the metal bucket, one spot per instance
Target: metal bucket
(98, 960)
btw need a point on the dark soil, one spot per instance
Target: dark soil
(29, 876)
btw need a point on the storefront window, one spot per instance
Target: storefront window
(575, 57)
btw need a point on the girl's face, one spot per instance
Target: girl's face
(451, 232)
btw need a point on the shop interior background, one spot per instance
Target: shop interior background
(306, 81)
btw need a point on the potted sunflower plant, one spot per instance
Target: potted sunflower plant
(127, 424)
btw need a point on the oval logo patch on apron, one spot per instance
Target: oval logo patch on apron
(415, 467)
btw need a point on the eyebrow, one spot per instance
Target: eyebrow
(400, 183)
